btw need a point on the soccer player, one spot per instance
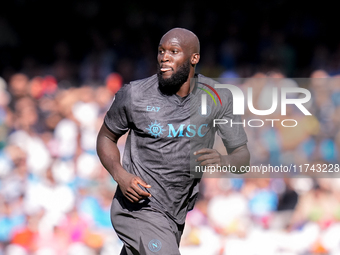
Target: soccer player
(167, 132)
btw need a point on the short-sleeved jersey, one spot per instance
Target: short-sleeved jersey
(164, 131)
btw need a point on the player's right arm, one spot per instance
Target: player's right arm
(109, 156)
(116, 123)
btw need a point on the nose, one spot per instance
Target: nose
(164, 57)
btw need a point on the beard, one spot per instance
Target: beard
(171, 86)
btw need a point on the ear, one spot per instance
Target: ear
(195, 58)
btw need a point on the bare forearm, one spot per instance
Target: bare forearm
(238, 158)
(108, 153)
(109, 156)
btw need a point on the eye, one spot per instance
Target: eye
(161, 51)
(175, 51)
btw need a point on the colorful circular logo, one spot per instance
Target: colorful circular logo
(155, 245)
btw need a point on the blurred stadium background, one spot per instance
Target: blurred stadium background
(61, 63)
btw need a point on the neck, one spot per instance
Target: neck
(185, 89)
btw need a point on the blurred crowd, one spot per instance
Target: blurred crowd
(55, 196)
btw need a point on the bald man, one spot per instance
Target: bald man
(155, 186)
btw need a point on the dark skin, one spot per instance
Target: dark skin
(109, 155)
(175, 48)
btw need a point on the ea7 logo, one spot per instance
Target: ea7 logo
(238, 100)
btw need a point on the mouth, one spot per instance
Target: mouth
(165, 69)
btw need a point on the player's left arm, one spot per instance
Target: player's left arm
(237, 157)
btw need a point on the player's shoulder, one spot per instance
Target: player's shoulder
(225, 94)
(206, 80)
(138, 85)
(145, 82)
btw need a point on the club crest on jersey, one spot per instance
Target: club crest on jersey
(155, 245)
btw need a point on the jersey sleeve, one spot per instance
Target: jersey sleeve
(118, 117)
(232, 133)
